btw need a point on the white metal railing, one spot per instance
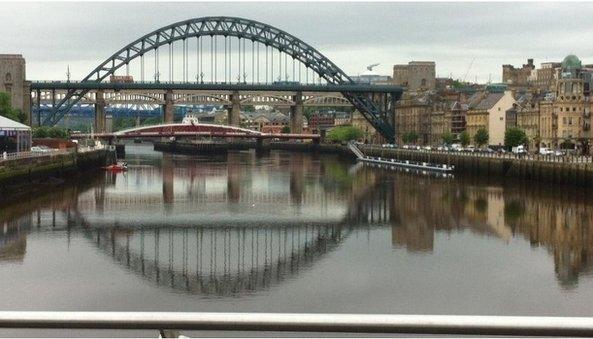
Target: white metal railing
(294, 322)
(585, 159)
(22, 155)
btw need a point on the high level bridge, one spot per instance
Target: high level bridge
(223, 61)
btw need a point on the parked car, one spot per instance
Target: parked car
(559, 153)
(40, 149)
(470, 148)
(428, 148)
(545, 151)
(456, 147)
(519, 149)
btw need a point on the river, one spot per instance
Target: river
(295, 232)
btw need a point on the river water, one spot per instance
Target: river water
(293, 232)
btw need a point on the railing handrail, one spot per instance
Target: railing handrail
(30, 154)
(298, 322)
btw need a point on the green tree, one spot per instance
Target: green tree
(514, 137)
(464, 138)
(50, 132)
(447, 138)
(41, 132)
(481, 137)
(123, 123)
(410, 138)
(57, 133)
(285, 130)
(7, 111)
(152, 121)
(344, 133)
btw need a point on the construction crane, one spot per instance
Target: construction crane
(468, 68)
(370, 67)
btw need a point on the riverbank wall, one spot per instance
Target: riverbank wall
(557, 172)
(22, 172)
(222, 148)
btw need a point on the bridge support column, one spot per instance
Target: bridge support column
(234, 110)
(168, 182)
(262, 146)
(296, 114)
(234, 177)
(99, 112)
(38, 94)
(168, 107)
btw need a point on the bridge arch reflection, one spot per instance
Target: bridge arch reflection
(219, 261)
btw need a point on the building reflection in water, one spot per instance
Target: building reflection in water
(223, 227)
(558, 219)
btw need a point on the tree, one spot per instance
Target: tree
(344, 133)
(464, 138)
(50, 132)
(40, 132)
(514, 137)
(481, 137)
(285, 130)
(58, 133)
(152, 121)
(447, 138)
(410, 137)
(7, 111)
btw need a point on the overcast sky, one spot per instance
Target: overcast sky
(353, 35)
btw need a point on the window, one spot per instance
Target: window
(8, 78)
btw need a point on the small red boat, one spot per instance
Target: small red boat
(119, 167)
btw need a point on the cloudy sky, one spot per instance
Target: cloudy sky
(52, 36)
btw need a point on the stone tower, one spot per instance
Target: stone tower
(13, 81)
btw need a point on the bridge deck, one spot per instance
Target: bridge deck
(92, 85)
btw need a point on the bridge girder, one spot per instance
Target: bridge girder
(138, 97)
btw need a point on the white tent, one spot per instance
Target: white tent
(11, 125)
(14, 136)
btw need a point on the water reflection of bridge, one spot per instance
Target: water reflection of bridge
(219, 261)
(232, 256)
(223, 256)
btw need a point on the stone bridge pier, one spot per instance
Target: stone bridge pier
(234, 110)
(296, 114)
(100, 120)
(168, 107)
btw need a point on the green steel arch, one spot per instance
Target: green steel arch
(376, 111)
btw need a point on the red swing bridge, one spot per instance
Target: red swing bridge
(195, 130)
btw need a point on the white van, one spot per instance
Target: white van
(519, 150)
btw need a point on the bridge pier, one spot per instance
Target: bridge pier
(234, 110)
(168, 182)
(38, 94)
(296, 114)
(168, 107)
(100, 112)
(262, 146)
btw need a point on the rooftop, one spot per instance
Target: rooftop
(11, 125)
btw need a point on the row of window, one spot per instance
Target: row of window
(567, 109)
